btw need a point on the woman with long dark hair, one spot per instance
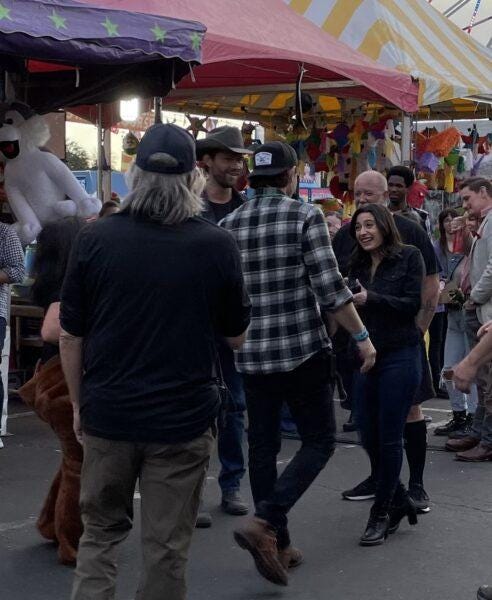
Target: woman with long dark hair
(390, 275)
(47, 391)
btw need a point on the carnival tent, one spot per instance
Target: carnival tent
(63, 53)
(258, 47)
(411, 36)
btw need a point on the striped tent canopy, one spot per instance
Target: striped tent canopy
(411, 36)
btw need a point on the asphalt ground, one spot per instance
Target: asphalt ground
(445, 557)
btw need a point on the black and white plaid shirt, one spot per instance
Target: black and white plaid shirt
(290, 273)
(11, 263)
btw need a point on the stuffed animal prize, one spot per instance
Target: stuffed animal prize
(39, 186)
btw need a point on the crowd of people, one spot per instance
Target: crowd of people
(192, 305)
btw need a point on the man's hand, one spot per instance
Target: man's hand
(469, 305)
(463, 375)
(361, 297)
(484, 329)
(77, 428)
(368, 355)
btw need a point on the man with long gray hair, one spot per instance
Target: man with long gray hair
(146, 293)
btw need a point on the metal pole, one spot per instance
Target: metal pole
(157, 109)
(107, 165)
(406, 139)
(100, 157)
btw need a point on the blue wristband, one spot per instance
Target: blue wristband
(362, 336)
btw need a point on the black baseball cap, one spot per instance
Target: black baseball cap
(272, 159)
(166, 148)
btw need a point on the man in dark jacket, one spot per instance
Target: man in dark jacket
(221, 154)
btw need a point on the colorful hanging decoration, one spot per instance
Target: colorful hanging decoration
(356, 134)
(439, 144)
(428, 162)
(196, 125)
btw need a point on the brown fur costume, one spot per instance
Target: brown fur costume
(47, 394)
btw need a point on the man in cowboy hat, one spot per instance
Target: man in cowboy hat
(222, 156)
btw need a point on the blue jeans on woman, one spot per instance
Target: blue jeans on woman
(384, 396)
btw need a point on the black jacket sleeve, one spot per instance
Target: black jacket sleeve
(409, 300)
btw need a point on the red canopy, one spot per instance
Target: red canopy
(262, 43)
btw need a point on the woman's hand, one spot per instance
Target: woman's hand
(361, 297)
(367, 354)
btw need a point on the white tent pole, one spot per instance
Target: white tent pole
(406, 139)
(99, 152)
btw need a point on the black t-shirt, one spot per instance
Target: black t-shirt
(411, 234)
(215, 212)
(149, 300)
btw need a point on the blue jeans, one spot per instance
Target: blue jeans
(230, 432)
(457, 346)
(384, 397)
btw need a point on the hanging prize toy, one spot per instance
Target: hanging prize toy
(196, 125)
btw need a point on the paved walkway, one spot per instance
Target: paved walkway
(445, 557)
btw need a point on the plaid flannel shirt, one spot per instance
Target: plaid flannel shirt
(290, 273)
(11, 263)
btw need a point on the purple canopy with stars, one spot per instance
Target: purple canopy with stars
(67, 53)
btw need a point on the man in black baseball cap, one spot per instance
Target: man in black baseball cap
(139, 320)
(167, 149)
(271, 159)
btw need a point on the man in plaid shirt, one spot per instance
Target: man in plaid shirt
(292, 278)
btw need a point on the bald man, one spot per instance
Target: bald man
(371, 187)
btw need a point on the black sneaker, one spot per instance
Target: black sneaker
(485, 592)
(366, 490)
(420, 498)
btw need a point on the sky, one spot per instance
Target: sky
(483, 32)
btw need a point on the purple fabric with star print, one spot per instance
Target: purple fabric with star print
(104, 45)
(55, 29)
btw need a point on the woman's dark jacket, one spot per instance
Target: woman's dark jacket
(393, 299)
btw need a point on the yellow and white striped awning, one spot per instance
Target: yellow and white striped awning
(409, 35)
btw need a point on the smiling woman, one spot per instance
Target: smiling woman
(390, 276)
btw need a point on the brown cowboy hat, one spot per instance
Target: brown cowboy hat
(222, 138)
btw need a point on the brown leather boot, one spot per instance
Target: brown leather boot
(480, 453)
(290, 557)
(462, 444)
(258, 538)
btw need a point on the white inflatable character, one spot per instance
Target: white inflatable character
(39, 186)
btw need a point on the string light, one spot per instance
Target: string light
(474, 16)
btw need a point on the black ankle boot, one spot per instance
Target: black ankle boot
(465, 430)
(403, 506)
(377, 526)
(457, 423)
